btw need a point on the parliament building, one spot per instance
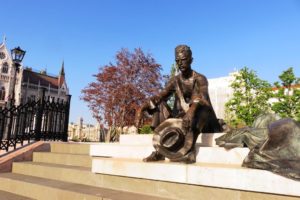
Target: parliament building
(28, 84)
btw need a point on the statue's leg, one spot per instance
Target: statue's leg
(203, 115)
(208, 121)
(160, 114)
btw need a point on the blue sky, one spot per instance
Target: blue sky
(223, 34)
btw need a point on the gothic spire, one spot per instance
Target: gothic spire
(62, 70)
(61, 77)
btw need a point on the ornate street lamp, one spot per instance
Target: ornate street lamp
(17, 55)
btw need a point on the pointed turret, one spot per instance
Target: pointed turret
(62, 70)
(61, 77)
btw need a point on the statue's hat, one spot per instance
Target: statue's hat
(171, 140)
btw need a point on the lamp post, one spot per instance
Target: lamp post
(17, 55)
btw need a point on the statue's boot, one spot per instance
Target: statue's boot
(154, 156)
(188, 158)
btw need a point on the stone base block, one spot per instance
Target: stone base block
(204, 154)
(214, 175)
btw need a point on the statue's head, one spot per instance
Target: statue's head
(183, 57)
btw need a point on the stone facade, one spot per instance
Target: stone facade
(7, 72)
(33, 84)
(220, 92)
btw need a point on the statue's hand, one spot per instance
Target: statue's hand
(139, 114)
(187, 121)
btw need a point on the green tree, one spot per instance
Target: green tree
(173, 73)
(287, 96)
(250, 98)
(174, 70)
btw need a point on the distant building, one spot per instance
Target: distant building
(220, 92)
(33, 84)
(84, 132)
(29, 84)
(286, 92)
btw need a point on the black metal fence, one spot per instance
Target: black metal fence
(44, 119)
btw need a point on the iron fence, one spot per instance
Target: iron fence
(43, 119)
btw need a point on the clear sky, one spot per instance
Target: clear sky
(223, 34)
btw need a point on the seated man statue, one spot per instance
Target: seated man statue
(192, 112)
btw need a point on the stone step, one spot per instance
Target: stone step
(70, 147)
(63, 158)
(46, 189)
(11, 196)
(204, 154)
(73, 174)
(120, 150)
(204, 174)
(204, 139)
(83, 175)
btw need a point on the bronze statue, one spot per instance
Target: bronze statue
(280, 152)
(248, 136)
(176, 130)
(274, 144)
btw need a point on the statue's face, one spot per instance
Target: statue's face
(183, 60)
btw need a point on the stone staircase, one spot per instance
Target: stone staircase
(64, 173)
(115, 171)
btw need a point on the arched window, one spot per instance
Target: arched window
(5, 68)
(2, 93)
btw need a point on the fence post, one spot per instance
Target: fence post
(2, 125)
(67, 113)
(10, 124)
(39, 117)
